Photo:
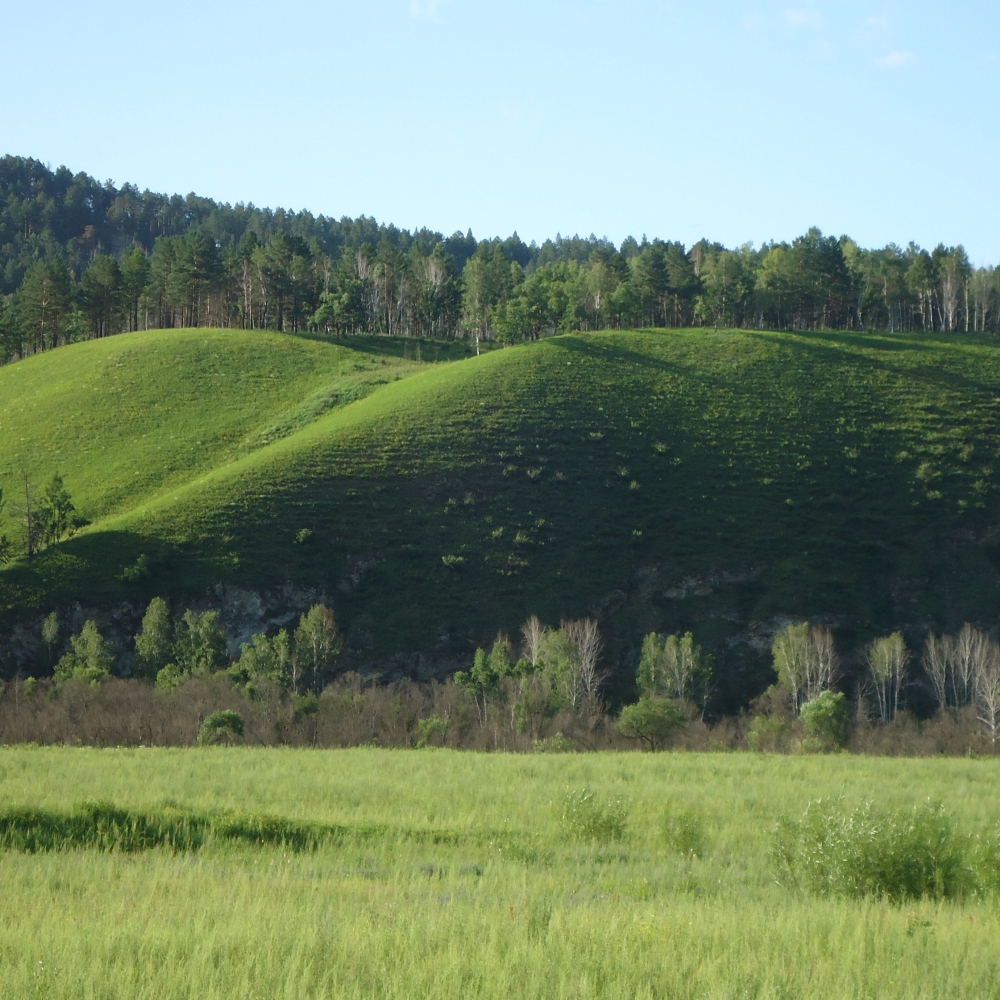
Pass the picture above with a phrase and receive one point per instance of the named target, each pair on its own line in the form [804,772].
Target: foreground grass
[505,905]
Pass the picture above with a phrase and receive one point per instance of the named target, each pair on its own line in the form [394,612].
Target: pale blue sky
[736,120]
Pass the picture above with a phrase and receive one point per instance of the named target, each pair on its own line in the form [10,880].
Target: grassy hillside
[126,417]
[458,876]
[660,479]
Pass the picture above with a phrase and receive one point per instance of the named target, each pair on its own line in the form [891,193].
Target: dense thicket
[81,259]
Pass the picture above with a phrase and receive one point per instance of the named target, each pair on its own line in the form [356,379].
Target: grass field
[455,877]
[777,474]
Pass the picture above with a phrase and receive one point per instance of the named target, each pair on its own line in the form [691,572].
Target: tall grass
[453,875]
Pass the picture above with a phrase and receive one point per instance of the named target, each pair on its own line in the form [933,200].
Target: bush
[583,817]
[652,721]
[428,728]
[221,727]
[826,720]
[769,734]
[893,855]
[684,832]
[554,744]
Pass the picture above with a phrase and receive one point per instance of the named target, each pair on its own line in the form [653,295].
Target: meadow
[459,875]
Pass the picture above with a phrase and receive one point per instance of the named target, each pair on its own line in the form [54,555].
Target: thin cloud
[426,8]
[894,60]
[803,19]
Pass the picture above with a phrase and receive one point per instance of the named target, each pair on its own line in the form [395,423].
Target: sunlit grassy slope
[455,877]
[125,417]
[846,475]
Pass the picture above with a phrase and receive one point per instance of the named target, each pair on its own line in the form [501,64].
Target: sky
[731,120]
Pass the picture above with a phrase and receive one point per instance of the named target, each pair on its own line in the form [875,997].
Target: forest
[80,259]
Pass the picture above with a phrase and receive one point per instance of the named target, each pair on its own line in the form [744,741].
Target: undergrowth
[885,853]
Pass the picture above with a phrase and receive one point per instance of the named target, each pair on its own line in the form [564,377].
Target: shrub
[221,727]
[826,719]
[169,677]
[893,855]
[585,818]
[428,728]
[554,744]
[769,734]
[653,721]
[684,832]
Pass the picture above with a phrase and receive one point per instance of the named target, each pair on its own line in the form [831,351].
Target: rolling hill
[717,481]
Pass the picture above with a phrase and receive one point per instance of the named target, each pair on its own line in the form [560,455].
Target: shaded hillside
[659,479]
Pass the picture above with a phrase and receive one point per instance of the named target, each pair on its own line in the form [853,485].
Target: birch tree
[674,667]
[987,692]
[533,632]
[887,660]
[806,661]
[937,661]
[969,650]
[587,645]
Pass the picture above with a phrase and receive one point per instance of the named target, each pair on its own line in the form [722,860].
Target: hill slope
[125,417]
[660,479]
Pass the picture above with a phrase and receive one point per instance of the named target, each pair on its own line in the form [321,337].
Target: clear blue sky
[739,121]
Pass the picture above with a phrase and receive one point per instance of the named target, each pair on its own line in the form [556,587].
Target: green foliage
[318,643]
[50,631]
[200,643]
[91,656]
[554,744]
[684,831]
[769,734]
[154,644]
[169,677]
[890,854]
[674,667]
[222,726]
[887,661]
[488,670]
[266,658]
[791,651]
[585,817]
[55,512]
[652,721]
[427,729]
[139,570]
[826,719]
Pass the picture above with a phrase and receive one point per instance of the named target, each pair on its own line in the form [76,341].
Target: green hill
[661,479]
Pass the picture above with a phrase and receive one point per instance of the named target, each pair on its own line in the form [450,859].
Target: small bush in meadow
[585,817]
[221,727]
[553,744]
[684,832]
[889,854]
[826,720]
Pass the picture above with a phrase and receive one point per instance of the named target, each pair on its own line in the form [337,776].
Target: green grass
[503,904]
[127,417]
[847,475]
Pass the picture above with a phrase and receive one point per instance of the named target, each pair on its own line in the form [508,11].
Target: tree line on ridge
[80,259]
